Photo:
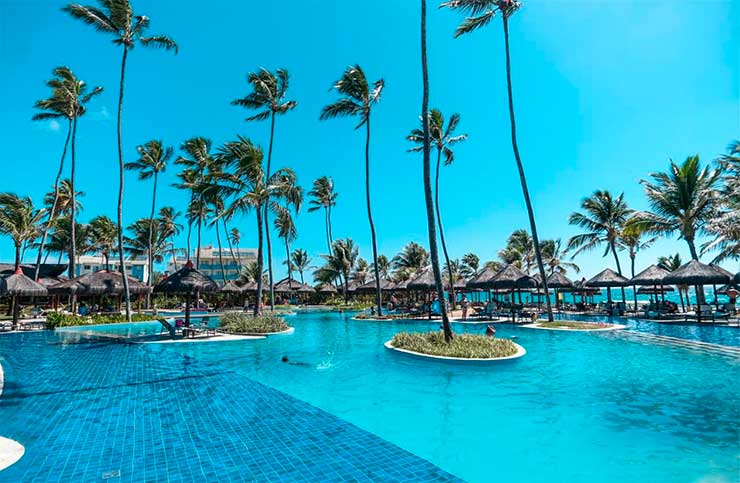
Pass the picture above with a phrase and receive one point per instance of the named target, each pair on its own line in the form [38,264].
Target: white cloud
[101,114]
[54,125]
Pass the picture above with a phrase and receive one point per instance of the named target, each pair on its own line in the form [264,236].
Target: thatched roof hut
[482,280]
[557,280]
[19,285]
[50,270]
[249,287]
[696,273]
[326,289]
[187,280]
[652,275]
[608,278]
[306,288]
[402,285]
[511,277]
[370,287]
[103,282]
[230,287]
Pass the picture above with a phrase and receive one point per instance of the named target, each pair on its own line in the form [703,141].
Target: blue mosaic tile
[97,410]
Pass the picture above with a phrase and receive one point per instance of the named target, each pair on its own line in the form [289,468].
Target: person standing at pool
[464,304]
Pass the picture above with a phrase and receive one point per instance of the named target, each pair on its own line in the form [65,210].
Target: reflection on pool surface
[578,407]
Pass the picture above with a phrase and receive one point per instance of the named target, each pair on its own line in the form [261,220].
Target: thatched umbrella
[287,286]
[652,275]
[103,282]
[19,285]
[402,285]
[511,278]
[326,289]
[698,274]
[369,287]
[230,287]
[186,281]
[608,278]
[647,290]
[422,281]
[557,281]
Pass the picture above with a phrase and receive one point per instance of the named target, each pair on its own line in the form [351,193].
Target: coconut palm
[554,256]
[672,263]
[153,158]
[60,238]
[633,240]
[725,223]
[341,262]
[117,18]
[519,250]
[170,227]
[138,243]
[443,140]
[103,237]
[63,196]
[412,258]
[480,13]
[603,218]
[235,237]
[361,271]
[300,261]
[68,101]
[268,98]
[287,231]
[19,220]
[323,197]
[384,266]
[357,97]
[469,265]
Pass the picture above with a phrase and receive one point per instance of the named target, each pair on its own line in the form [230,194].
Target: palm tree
[632,240]
[117,19]
[63,196]
[672,263]
[138,243]
[341,262]
[725,223]
[267,97]
[103,233]
[68,101]
[470,263]
[519,250]
[603,218]
[235,237]
[197,161]
[384,266]
[481,13]
[153,158]
[554,257]
[244,182]
[60,239]
[443,140]
[170,227]
[300,261]
[287,231]
[412,258]
[357,99]
[324,197]
[361,271]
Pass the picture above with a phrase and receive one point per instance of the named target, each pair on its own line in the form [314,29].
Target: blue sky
[606,92]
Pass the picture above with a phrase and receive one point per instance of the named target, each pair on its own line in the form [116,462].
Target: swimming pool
[578,407]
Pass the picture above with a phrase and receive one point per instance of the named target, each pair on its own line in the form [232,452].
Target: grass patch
[566,324]
[235,323]
[468,346]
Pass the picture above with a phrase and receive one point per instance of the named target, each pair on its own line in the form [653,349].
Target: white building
[135,267]
[210,261]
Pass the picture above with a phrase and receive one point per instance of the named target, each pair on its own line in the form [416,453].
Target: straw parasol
[306,288]
[326,289]
[189,281]
[19,285]
[647,290]
[369,287]
[697,273]
[423,281]
[249,287]
[511,277]
[230,287]
[103,282]
[557,280]
[482,280]
[402,285]
[608,278]
[287,285]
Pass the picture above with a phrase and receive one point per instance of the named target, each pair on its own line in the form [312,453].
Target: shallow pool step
[707,347]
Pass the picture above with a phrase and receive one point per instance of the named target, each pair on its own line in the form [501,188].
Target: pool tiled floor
[103,410]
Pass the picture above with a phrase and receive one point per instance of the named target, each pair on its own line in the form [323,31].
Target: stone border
[521,351]
[10,452]
[565,329]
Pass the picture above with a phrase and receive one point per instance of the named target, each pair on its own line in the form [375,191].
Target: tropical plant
[603,219]
[63,197]
[341,262]
[357,97]
[324,197]
[361,271]
[268,98]
[170,227]
[287,231]
[103,237]
[480,13]
[300,261]
[554,257]
[725,223]
[60,238]
[384,267]
[68,100]
[469,265]
[235,237]
[443,140]
[117,18]
[138,243]
[153,158]
[411,259]
[519,250]
[19,220]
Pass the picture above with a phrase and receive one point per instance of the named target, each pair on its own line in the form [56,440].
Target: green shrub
[58,319]
[468,346]
[248,324]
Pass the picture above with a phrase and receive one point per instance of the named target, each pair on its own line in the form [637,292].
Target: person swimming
[288,361]
[491,331]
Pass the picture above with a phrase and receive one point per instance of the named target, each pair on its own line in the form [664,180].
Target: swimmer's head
[285,359]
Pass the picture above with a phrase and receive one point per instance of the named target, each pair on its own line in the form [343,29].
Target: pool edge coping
[520,352]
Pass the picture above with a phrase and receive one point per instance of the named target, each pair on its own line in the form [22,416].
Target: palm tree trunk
[522,177]
[150,257]
[190,227]
[290,267]
[378,299]
[73,212]
[200,232]
[260,263]
[16,308]
[267,218]
[121,257]
[327,229]
[228,240]
[694,255]
[328,220]
[616,259]
[441,232]
[431,229]
[220,255]
[52,213]
[634,288]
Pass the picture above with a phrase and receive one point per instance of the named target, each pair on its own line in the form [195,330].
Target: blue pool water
[579,407]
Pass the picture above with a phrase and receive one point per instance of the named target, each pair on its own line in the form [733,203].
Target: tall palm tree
[633,240]
[268,98]
[138,243]
[301,261]
[63,196]
[519,250]
[672,263]
[603,218]
[117,18]
[412,258]
[287,231]
[235,237]
[554,256]
[470,263]
[68,99]
[481,12]
[196,161]
[169,225]
[153,158]
[60,239]
[384,266]
[341,262]
[361,271]
[324,197]
[103,237]
[725,224]
[443,140]
[357,97]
